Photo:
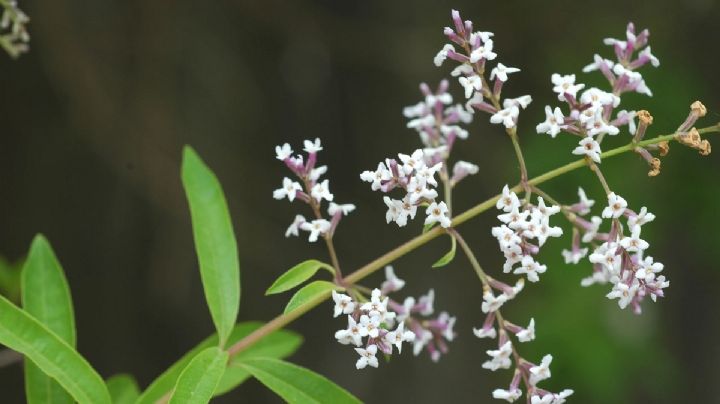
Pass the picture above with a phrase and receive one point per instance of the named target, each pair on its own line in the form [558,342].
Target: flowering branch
[409,246]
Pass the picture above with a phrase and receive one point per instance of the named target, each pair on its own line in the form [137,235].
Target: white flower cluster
[618,258]
[309,190]
[525,371]
[476,51]
[435,119]
[417,179]
[519,228]
[374,320]
[591,112]
[15,38]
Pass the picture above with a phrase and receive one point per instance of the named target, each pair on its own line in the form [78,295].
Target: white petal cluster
[520,227]
[417,178]
[309,189]
[591,112]
[618,257]
[436,120]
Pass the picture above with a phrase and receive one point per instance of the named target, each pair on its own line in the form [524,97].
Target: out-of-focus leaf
[123,389]
[23,333]
[447,258]
[197,382]
[46,296]
[297,275]
[278,344]
[10,279]
[296,384]
[214,242]
[310,294]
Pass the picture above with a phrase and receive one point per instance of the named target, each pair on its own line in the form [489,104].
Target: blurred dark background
[94,118]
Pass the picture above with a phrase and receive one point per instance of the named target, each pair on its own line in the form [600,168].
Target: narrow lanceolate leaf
[214,242]
[198,381]
[297,275]
[23,333]
[278,344]
[123,389]
[296,384]
[310,294]
[447,257]
[46,296]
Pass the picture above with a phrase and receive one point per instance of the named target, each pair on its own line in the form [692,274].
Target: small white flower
[294,228]
[471,84]
[585,203]
[483,52]
[641,218]
[371,324]
[574,256]
[501,71]
[522,102]
[345,209]
[500,357]
[485,332]
[442,55]
[392,282]
[624,293]
[283,152]
[554,120]
[528,334]
[352,334]
[647,269]
[634,242]
[437,213]
[367,357]
[590,233]
[394,211]
[289,189]
[530,268]
[606,255]
[506,116]
[317,172]
[589,147]
[616,206]
[316,227]
[463,69]
[565,84]
[343,304]
[312,147]
[507,395]
[491,302]
[647,53]
[508,201]
[321,191]
[399,336]
[464,168]
[377,177]
[415,161]
[542,371]
[546,399]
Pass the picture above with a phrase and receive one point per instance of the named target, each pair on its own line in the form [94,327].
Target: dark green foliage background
[94,119]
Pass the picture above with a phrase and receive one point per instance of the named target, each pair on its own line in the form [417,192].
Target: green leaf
[310,294]
[278,344]
[297,275]
[46,296]
[123,389]
[23,333]
[196,384]
[296,384]
[447,257]
[214,242]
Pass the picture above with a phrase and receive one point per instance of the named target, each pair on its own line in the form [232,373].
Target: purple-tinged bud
[459,27]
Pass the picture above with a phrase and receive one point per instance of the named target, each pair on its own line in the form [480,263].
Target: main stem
[364,271]
[430,235]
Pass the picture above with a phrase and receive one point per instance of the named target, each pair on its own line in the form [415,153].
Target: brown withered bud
[654,167]
[698,108]
[664,148]
[645,117]
[705,147]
